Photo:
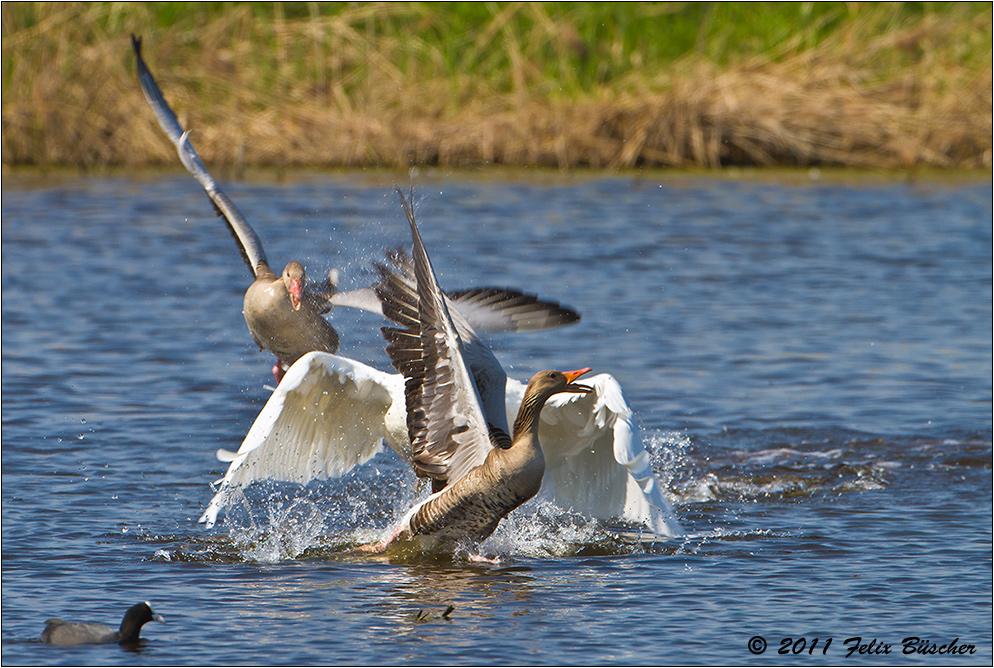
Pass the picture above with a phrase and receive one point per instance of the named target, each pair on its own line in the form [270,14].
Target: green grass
[578,46]
[442,60]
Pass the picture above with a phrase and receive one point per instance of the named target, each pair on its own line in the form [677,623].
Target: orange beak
[577,387]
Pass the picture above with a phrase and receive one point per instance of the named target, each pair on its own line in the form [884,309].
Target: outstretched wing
[487,309]
[248,241]
[448,429]
[508,310]
[331,414]
[595,463]
[328,415]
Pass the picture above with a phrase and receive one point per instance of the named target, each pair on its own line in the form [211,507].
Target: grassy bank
[467,84]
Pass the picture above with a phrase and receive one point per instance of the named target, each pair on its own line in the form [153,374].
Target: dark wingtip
[136,44]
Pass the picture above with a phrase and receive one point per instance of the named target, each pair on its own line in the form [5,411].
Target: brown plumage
[457,423]
[286,318]
[283,314]
[495,309]
[475,504]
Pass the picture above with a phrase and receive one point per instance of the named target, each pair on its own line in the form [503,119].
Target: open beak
[296,290]
[577,387]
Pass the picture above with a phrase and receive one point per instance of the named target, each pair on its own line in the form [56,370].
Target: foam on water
[276,522]
[269,522]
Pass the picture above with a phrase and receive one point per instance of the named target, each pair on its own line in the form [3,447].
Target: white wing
[328,415]
[595,463]
[331,413]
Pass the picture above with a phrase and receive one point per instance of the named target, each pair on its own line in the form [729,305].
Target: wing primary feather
[496,309]
[249,243]
[447,427]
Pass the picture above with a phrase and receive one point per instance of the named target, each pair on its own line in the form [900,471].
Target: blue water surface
[809,362]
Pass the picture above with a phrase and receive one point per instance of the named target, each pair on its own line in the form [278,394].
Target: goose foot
[480,559]
[278,372]
[379,546]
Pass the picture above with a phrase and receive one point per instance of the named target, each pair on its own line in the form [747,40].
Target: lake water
[810,363]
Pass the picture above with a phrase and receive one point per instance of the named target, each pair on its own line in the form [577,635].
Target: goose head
[294,279]
[549,382]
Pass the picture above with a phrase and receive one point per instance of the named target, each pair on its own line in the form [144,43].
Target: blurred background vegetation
[559,84]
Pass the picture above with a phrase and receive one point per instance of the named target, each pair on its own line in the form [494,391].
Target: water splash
[272,522]
[289,530]
[784,467]
[542,530]
[669,452]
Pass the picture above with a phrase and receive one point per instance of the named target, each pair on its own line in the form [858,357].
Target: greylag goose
[283,314]
[472,503]
[286,316]
[331,414]
[456,419]
[58,632]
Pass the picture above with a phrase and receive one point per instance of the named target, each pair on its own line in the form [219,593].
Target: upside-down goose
[331,414]
[283,313]
[58,632]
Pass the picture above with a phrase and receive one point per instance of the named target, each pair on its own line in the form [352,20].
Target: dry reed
[332,91]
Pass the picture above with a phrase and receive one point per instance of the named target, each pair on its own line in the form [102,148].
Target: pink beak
[296,289]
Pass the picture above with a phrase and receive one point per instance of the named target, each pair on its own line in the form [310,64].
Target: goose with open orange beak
[511,473]
[456,419]
[451,405]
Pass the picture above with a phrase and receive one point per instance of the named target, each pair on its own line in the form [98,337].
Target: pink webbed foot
[278,372]
[380,546]
[480,559]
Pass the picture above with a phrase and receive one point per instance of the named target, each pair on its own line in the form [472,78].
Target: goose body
[511,473]
[59,632]
[456,421]
[285,319]
[453,390]
[331,414]
[285,314]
